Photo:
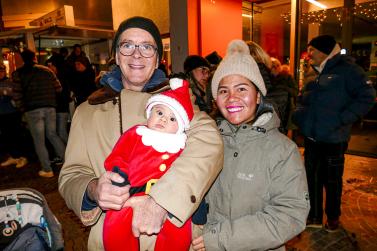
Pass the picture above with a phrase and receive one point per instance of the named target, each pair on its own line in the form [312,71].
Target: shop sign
[62,16]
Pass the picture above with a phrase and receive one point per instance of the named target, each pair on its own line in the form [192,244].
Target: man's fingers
[110,196]
[115,177]
[147,216]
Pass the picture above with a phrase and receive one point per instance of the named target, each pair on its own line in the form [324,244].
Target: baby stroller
[27,223]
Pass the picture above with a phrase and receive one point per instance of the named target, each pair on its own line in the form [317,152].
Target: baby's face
[162,119]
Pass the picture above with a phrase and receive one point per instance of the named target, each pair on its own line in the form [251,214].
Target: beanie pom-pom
[238,46]
[175,83]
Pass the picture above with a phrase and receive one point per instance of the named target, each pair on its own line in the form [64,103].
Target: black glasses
[128,49]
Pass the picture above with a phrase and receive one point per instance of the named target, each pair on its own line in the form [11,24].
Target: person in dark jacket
[197,71]
[77,52]
[37,86]
[56,63]
[339,96]
[10,125]
[82,81]
[282,93]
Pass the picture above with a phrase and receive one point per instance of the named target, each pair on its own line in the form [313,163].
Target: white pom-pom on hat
[238,61]
[237,46]
[175,83]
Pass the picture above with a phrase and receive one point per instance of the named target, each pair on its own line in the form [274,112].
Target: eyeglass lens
[145,50]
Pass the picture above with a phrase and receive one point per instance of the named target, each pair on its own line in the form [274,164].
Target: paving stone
[359,212]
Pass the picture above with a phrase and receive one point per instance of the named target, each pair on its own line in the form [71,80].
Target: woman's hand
[198,244]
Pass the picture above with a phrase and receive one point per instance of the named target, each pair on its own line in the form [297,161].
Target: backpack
[27,223]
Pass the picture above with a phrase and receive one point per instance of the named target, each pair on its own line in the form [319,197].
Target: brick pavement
[359,207]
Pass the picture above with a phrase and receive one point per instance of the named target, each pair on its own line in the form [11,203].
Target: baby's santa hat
[178,100]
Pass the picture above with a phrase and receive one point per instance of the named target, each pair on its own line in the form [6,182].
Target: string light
[364,10]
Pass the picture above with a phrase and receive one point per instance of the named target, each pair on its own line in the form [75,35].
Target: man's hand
[107,195]
[198,244]
[148,217]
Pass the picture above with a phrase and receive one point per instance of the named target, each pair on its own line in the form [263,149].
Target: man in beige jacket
[86,186]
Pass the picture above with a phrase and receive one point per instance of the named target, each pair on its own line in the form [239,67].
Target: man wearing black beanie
[141,23]
[329,105]
[90,191]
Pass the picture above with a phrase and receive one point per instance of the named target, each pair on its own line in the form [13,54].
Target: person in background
[338,97]
[285,69]
[63,52]
[63,98]
[197,71]
[111,64]
[277,92]
[10,125]
[37,86]
[82,82]
[260,199]
[263,61]
[85,184]
[163,68]
[282,93]
[77,52]
[214,60]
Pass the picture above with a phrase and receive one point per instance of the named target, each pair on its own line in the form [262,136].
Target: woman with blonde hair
[259,55]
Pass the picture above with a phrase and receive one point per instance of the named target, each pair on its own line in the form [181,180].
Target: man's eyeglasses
[128,49]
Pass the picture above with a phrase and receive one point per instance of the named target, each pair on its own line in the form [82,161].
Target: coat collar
[264,123]
[112,86]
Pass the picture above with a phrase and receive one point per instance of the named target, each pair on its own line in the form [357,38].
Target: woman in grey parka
[260,199]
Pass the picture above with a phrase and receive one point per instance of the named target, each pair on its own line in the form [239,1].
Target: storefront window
[263,24]
[352,22]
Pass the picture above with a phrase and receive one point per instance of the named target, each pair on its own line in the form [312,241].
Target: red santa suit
[145,155]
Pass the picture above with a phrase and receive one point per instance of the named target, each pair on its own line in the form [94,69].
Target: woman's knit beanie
[194,61]
[238,61]
[141,23]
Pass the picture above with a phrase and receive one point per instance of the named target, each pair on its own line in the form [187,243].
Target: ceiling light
[322,6]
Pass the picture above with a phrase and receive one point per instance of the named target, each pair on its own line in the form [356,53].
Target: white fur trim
[175,83]
[237,46]
[160,141]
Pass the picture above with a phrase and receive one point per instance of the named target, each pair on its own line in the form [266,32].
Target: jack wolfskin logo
[244,176]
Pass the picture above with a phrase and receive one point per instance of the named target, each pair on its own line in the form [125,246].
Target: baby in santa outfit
[142,155]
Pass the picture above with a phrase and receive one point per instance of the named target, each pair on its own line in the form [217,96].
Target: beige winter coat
[94,131]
